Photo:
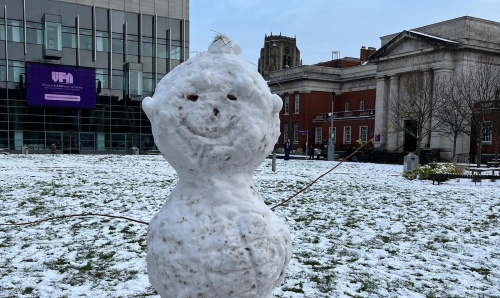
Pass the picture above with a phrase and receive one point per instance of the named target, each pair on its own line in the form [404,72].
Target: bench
[476,178]
[493,163]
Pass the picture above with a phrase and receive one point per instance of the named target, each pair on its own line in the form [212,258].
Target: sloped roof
[415,35]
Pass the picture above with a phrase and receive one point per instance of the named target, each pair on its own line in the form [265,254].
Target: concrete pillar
[381,110]
[392,133]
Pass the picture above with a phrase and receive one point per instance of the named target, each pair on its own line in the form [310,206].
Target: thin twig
[74,215]
[324,174]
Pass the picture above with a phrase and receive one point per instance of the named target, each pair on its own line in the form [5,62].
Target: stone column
[436,139]
[381,110]
[392,133]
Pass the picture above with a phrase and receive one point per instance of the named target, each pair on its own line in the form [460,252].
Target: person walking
[53,148]
[288,148]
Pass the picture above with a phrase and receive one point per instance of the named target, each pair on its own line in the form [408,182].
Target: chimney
[365,53]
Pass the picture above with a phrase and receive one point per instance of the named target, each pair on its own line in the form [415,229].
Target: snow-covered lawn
[361,231]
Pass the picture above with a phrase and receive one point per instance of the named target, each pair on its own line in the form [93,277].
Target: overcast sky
[322,26]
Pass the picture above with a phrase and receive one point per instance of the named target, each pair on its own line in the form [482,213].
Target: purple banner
[52,85]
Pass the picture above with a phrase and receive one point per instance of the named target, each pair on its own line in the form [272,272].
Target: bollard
[274,162]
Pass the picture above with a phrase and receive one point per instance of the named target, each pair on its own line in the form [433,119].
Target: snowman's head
[214,114]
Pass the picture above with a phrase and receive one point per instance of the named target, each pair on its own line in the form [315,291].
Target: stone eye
[231,97]
[192,97]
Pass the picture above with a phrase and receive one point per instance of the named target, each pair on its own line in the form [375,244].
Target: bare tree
[449,113]
[476,86]
[414,104]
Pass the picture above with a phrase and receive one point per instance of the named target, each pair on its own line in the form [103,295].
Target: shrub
[422,172]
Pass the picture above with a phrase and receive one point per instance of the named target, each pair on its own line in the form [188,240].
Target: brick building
[365,86]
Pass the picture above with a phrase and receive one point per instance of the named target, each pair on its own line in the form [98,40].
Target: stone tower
[279,52]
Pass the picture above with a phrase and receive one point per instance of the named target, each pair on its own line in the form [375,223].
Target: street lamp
[331,150]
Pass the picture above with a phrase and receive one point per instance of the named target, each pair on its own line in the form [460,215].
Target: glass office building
[74,74]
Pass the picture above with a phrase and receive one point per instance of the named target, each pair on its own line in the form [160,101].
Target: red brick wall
[314,103]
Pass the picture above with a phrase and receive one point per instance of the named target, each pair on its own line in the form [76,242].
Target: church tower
[279,52]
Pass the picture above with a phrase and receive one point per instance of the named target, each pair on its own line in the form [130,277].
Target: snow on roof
[432,36]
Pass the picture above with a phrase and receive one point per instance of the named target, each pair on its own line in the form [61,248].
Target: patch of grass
[28,290]
[483,271]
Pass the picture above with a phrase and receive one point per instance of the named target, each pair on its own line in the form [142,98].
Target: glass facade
[107,40]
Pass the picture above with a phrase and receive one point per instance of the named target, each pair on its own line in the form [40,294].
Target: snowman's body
[215,121]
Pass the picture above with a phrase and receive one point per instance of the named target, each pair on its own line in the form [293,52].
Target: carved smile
[209,132]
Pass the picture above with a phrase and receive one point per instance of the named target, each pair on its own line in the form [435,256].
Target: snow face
[215,120]
[214,114]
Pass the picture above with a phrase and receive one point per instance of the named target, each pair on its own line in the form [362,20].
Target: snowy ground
[361,231]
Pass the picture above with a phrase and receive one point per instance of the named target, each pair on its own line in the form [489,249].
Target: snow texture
[360,231]
[215,120]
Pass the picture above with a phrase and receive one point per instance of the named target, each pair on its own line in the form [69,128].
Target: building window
[297,104]
[117,43]
[148,82]
[287,104]
[176,53]
[102,41]
[347,134]
[102,75]
[133,45]
[318,135]
[162,48]
[285,132]
[363,134]
[487,132]
[16,68]
[69,37]
[147,47]
[53,36]
[34,33]
[2,30]
[295,132]
[361,105]
[86,39]
[332,135]
[15,31]
[347,106]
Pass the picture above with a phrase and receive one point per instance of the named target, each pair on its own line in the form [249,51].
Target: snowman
[215,120]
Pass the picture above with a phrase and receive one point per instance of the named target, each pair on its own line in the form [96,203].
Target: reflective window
[487,132]
[69,37]
[347,134]
[134,82]
[117,82]
[176,53]
[102,75]
[16,68]
[133,45]
[318,135]
[296,105]
[295,132]
[2,31]
[148,82]
[287,104]
[117,43]
[363,134]
[53,38]
[15,31]
[147,49]
[34,36]
[162,49]
[102,41]
[85,39]
[285,132]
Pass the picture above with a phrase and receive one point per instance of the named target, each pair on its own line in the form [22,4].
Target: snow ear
[277,103]
[147,106]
